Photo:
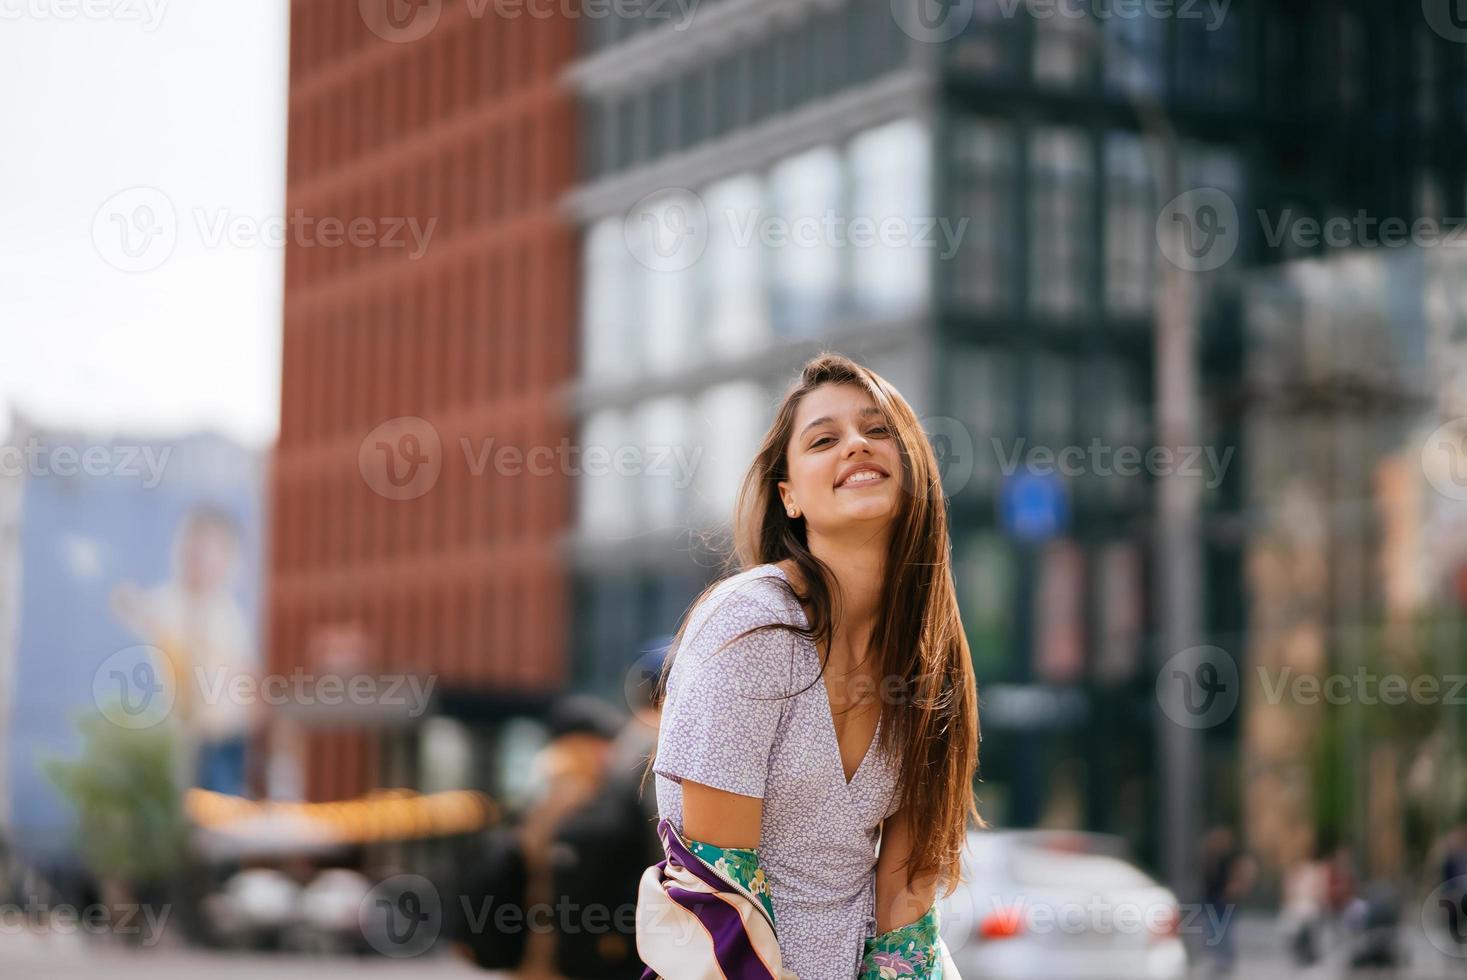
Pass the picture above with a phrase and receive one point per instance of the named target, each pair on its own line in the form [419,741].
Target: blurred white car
[1064,905]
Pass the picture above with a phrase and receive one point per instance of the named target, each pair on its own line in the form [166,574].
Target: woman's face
[844,465]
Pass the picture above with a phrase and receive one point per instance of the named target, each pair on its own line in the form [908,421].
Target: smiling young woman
[820,700]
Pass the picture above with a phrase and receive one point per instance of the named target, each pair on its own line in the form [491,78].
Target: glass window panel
[986,46]
[1064,44]
[1051,401]
[1119,605]
[609,301]
[984,575]
[982,273]
[607,506]
[663,486]
[805,262]
[1135,54]
[735,302]
[1060,222]
[1059,613]
[891,259]
[981,391]
[1130,225]
[730,420]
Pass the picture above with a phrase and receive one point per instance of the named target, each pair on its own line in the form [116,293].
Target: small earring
[793,512]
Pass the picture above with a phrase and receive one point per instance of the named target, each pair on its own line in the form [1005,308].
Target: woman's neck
[858,566]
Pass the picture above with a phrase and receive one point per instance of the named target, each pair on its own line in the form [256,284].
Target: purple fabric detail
[732,946]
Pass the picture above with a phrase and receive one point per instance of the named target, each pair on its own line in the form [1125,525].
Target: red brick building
[444,291]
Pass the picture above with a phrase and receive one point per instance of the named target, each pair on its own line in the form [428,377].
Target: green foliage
[128,804]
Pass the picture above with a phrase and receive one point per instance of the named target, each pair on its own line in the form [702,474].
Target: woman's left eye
[880,430]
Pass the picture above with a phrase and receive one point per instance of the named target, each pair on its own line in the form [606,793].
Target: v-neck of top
[840,762]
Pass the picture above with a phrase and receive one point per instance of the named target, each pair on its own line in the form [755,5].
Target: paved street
[54,957]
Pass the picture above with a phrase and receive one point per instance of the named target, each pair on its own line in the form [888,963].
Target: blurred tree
[128,804]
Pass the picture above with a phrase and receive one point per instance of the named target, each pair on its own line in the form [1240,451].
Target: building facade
[405,537]
[728,158]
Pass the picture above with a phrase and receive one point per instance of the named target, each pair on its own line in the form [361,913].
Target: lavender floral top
[727,724]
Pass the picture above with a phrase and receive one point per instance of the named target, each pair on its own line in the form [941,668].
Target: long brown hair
[917,638]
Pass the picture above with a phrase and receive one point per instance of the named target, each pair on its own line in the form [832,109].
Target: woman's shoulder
[755,596]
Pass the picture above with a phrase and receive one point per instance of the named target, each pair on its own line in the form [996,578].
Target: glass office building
[735,157]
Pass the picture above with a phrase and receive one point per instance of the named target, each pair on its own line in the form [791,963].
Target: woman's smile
[862,475]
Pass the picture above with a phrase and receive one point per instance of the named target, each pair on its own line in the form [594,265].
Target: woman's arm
[717,817]
[906,943]
[898,905]
[723,829]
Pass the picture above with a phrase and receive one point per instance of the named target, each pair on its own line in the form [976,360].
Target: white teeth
[865,476]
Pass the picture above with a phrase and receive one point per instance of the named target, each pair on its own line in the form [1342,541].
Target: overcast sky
[130,130]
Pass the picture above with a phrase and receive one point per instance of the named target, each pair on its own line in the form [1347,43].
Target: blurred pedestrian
[1227,876]
[1454,886]
[600,851]
[568,773]
[1303,908]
